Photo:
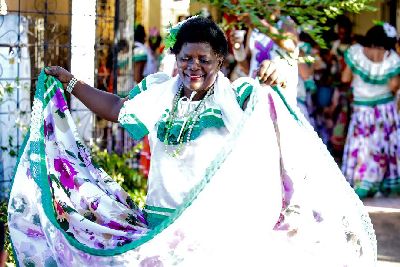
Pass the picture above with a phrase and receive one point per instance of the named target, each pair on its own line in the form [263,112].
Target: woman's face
[198,66]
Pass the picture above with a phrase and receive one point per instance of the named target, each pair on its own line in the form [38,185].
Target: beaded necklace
[188,123]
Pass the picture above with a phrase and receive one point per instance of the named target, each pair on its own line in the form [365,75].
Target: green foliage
[311,15]
[3,218]
[11,149]
[118,167]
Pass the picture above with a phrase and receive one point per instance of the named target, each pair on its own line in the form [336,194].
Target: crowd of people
[347,91]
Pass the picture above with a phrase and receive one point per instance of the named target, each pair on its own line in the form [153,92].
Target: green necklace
[174,149]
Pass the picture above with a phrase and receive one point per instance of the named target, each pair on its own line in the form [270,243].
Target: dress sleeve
[139,113]
[139,54]
[243,90]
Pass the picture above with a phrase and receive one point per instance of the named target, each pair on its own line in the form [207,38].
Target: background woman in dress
[371,160]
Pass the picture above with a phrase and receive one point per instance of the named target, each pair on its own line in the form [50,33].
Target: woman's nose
[194,64]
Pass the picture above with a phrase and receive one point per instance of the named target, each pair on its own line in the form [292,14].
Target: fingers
[268,73]
[60,73]
[53,70]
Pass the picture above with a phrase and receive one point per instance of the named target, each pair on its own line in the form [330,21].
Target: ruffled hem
[371,72]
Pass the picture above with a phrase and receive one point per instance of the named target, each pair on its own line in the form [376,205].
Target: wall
[196,7]
[170,11]
[364,20]
[151,14]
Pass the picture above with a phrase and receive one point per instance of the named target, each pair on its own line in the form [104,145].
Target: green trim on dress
[159,209]
[40,177]
[368,77]
[136,129]
[138,58]
[375,102]
[156,215]
[243,94]
[154,219]
[209,118]
[39,173]
[140,87]
[291,111]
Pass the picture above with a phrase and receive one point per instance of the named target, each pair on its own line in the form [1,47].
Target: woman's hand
[268,74]
[60,73]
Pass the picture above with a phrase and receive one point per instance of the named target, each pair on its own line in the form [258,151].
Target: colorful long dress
[371,160]
[65,211]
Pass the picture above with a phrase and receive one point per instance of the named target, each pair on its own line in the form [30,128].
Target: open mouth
[195,77]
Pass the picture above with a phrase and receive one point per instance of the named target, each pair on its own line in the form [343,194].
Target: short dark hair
[376,37]
[139,34]
[344,22]
[201,30]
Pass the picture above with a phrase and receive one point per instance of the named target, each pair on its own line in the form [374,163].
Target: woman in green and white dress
[235,178]
[371,160]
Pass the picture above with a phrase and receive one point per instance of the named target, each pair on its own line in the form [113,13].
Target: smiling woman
[204,132]
[199,55]
[198,65]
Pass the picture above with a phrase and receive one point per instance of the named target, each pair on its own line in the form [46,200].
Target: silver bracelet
[71,85]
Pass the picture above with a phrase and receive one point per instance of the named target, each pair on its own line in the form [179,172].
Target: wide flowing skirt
[371,160]
[268,210]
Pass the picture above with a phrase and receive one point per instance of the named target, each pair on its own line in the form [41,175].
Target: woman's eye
[205,61]
[184,58]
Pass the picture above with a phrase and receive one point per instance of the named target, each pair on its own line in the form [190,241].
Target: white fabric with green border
[370,79]
[246,210]
[146,112]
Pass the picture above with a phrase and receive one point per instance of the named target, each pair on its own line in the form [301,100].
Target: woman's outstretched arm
[103,104]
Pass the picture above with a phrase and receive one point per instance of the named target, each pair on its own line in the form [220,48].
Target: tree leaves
[310,15]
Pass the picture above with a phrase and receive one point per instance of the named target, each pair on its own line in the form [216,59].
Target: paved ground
[385,216]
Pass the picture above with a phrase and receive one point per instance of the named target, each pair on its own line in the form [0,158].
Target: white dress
[371,160]
[171,178]
[247,210]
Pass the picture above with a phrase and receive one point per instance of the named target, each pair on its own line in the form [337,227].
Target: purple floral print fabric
[66,211]
[371,160]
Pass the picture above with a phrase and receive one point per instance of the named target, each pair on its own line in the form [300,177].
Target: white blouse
[370,79]
[171,178]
